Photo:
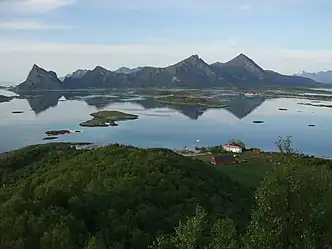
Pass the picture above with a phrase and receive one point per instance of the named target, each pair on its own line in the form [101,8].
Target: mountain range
[322,76]
[192,72]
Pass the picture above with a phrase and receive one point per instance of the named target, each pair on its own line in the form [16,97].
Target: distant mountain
[79,73]
[126,70]
[192,72]
[245,73]
[99,77]
[40,79]
[322,76]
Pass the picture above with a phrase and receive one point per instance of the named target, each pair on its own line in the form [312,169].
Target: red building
[223,160]
[255,150]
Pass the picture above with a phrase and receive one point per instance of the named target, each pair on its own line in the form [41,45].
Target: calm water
[166,126]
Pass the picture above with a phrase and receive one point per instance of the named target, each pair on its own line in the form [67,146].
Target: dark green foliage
[294,210]
[54,196]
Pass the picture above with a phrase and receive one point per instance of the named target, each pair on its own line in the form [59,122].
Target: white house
[232,148]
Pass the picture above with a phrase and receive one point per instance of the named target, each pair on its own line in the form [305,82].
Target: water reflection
[181,125]
[40,103]
[239,105]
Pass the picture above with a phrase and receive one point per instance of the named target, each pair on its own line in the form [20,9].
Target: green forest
[54,196]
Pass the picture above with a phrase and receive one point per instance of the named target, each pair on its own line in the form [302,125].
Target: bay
[166,126]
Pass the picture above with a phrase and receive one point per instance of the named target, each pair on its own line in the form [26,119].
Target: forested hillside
[56,197]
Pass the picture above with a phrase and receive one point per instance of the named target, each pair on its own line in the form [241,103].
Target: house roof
[224,158]
[232,146]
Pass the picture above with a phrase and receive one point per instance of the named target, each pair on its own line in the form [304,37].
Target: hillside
[192,72]
[121,197]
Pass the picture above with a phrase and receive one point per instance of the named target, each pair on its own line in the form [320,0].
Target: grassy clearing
[250,173]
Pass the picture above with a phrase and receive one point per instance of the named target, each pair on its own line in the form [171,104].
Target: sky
[63,35]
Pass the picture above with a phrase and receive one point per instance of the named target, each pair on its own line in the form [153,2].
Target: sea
[164,125]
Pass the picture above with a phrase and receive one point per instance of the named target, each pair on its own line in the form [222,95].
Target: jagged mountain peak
[127,70]
[37,70]
[99,68]
[192,58]
[35,67]
[321,76]
[38,79]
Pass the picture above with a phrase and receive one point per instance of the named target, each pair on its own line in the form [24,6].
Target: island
[5,98]
[57,132]
[190,100]
[107,118]
[258,122]
[283,109]
[17,112]
[316,105]
[50,138]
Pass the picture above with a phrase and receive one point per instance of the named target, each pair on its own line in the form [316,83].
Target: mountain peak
[241,57]
[99,68]
[39,79]
[36,68]
[194,57]
[243,61]
[322,76]
[127,70]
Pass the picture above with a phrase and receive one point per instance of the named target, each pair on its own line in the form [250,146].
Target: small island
[316,105]
[5,98]
[190,100]
[107,118]
[283,109]
[57,132]
[258,122]
[50,138]
[17,112]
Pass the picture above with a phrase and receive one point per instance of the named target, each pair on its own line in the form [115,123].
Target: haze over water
[166,126]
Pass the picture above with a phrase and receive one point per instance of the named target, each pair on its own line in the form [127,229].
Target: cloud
[10,7]
[17,57]
[30,25]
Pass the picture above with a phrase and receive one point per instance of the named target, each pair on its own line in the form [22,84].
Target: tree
[188,233]
[224,235]
[294,209]
[284,145]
